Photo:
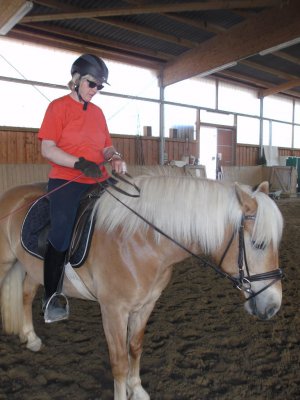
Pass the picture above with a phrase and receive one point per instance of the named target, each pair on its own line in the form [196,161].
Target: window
[33,62]
[216,118]
[238,99]
[277,134]
[297,137]
[278,107]
[128,117]
[131,80]
[267,126]
[25,105]
[297,112]
[281,134]
[180,122]
[247,130]
[194,91]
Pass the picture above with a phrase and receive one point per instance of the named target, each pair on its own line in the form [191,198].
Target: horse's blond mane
[188,209]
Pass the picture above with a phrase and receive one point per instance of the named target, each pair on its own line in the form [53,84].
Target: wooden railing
[249,154]
[21,146]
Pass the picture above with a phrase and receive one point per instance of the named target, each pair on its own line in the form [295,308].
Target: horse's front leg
[136,329]
[27,333]
[115,322]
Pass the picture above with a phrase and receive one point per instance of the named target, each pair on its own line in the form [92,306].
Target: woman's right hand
[89,168]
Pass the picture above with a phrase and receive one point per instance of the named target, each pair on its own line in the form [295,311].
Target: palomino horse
[130,262]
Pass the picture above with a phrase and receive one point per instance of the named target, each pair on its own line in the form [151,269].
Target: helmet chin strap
[85,103]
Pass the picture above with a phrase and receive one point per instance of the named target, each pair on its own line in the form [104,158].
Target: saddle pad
[34,233]
[36,222]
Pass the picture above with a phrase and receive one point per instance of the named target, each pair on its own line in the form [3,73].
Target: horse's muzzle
[265,305]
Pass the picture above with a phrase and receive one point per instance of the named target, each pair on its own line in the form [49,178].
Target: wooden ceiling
[256,42]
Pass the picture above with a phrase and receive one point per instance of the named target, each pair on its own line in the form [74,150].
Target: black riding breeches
[64,203]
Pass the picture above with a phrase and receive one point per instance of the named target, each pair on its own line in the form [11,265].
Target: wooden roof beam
[237,43]
[203,25]
[12,10]
[149,32]
[249,81]
[122,25]
[287,57]
[279,88]
[154,9]
[85,38]
[269,70]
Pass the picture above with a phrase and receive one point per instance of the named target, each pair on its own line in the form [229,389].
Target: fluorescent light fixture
[16,17]
[280,46]
[218,69]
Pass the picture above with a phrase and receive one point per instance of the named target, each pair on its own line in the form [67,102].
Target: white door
[208,150]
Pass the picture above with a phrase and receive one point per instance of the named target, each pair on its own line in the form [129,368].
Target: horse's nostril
[271,310]
[261,312]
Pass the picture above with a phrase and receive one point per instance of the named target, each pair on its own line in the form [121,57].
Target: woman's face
[86,89]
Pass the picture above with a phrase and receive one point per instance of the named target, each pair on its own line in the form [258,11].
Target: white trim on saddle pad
[77,282]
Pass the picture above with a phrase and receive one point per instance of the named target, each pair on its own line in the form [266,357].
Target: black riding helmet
[88,64]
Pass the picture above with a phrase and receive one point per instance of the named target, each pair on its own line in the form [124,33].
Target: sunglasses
[92,85]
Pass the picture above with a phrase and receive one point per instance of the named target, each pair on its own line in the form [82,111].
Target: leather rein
[241,282]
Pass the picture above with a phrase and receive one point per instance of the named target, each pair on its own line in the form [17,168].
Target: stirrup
[56,308]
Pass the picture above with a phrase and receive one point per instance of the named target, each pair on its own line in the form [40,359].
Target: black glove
[89,168]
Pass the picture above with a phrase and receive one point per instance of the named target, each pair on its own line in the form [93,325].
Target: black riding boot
[55,305]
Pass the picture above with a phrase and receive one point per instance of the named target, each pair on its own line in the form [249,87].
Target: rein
[241,282]
[121,178]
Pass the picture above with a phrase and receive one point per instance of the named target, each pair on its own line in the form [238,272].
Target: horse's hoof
[139,394]
[35,345]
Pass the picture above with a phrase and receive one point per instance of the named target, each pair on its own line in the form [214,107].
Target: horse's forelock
[268,223]
[188,209]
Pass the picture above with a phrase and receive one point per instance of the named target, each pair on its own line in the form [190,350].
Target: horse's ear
[247,203]
[263,187]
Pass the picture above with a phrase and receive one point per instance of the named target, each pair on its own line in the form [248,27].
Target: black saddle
[34,231]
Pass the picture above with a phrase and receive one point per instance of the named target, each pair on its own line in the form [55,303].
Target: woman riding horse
[75,138]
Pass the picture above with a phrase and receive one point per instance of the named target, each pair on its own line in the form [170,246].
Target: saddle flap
[83,221]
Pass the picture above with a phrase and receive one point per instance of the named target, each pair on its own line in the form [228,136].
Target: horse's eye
[259,245]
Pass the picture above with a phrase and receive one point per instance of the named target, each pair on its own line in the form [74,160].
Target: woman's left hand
[119,166]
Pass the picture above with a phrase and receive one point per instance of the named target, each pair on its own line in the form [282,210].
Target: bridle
[241,282]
